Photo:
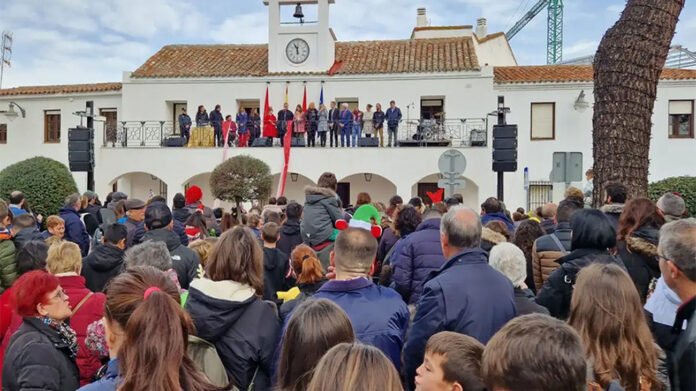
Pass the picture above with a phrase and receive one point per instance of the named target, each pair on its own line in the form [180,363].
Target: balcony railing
[455,133]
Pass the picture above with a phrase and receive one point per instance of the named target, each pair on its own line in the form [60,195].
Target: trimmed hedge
[241,178]
[684,185]
[45,183]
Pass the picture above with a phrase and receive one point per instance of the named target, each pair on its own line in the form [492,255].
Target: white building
[456,70]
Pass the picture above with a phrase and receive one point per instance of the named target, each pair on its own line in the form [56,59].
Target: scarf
[65,333]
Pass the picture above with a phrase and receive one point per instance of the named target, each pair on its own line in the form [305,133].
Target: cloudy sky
[81,41]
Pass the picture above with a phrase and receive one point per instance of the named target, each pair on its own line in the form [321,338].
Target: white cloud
[244,28]
[580,48]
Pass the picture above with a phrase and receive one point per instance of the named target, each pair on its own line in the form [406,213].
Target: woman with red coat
[269,124]
[65,262]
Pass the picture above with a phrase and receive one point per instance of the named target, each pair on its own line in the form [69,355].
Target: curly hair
[407,220]
[525,235]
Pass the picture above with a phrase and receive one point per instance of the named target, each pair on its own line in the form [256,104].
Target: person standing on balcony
[333,124]
[202,116]
[378,122]
[300,122]
[185,124]
[216,119]
[270,129]
[393,116]
[312,119]
[243,127]
[345,122]
[284,116]
[368,124]
[254,126]
[229,131]
[323,126]
[357,126]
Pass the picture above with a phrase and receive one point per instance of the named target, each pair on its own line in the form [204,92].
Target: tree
[45,183]
[627,68]
[241,178]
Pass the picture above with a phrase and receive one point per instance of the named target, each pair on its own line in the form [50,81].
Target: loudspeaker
[298,142]
[81,166]
[80,134]
[77,146]
[504,155]
[262,142]
[368,142]
[504,166]
[174,142]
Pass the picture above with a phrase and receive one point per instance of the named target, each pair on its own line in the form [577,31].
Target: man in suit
[333,124]
[345,122]
[284,116]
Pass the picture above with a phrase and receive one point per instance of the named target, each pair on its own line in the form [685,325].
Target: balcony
[454,133]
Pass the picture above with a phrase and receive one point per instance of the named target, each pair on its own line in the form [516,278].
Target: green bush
[684,185]
[45,183]
[241,178]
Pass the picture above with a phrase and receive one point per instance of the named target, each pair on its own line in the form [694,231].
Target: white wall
[379,188]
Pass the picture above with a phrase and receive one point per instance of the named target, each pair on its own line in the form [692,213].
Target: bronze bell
[298,12]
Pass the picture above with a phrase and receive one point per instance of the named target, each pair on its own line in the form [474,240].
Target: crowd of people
[312,125]
[315,295]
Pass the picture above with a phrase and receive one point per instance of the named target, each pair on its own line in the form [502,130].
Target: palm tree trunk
[627,68]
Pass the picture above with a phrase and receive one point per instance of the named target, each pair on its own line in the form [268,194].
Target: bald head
[460,229]
[355,251]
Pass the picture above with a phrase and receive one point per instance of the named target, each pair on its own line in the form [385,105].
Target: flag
[321,95]
[304,100]
[285,98]
[265,107]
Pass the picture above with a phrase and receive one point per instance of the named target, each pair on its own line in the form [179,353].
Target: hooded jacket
[8,265]
[557,291]
[546,252]
[37,359]
[490,238]
[639,253]
[466,295]
[181,215]
[418,255]
[321,212]
[75,230]
[184,260]
[613,212]
[244,329]
[290,236]
[498,216]
[27,235]
[101,265]
[275,268]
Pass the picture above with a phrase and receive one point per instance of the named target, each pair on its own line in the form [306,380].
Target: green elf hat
[363,218]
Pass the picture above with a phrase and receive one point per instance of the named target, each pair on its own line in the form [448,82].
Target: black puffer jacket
[101,265]
[558,289]
[37,359]
[243,328]
[275,268]
[290,236]
[184,260]
[639,254]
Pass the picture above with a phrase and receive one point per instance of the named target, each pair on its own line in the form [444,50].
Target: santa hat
[362,218]
[193,195]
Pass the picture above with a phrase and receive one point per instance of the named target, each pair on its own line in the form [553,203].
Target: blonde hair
[52,239]
[64,257]
[203,247]
[54,221]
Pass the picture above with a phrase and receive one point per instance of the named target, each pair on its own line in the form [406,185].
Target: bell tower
[301,45]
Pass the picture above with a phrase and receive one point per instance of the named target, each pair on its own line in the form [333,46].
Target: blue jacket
[378,119]
[499,216]
[17,211]
[379,316]
[393,116]
[346,119]
[242,122]
[216,118]
[466,296]
[109,382]
[75,230]
[415,258]
[184,121]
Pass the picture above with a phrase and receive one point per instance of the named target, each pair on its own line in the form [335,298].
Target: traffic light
[505,148]
[81,149]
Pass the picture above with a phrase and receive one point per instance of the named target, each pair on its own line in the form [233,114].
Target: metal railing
[455,133]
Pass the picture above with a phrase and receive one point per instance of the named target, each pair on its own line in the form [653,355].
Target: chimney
[481,27]
[421,20]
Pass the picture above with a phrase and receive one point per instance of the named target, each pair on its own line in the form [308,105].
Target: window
[110,124]
[3,133]
[681,119]
[52,126]
[540,194]
[352,103]
[543,125]
[432,108]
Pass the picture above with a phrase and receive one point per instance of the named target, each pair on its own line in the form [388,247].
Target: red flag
[304,100]
[265,105]
[287,143]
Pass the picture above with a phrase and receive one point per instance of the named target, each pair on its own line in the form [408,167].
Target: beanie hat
[362,218]
[193,195]
[509,260]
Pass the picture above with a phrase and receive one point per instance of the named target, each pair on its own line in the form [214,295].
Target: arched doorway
[141,185]
[378,187]
[203,181]
[294,186]
[470,191]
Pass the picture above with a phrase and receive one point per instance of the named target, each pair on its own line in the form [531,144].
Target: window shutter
[680,107]
[542,120]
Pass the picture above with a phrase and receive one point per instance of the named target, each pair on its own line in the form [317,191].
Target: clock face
[297,51]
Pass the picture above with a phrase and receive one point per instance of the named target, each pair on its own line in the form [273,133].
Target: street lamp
[368,177]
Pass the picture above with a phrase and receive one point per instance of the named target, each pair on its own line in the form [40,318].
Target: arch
[378,187]
[294,186]
[470,191]
[201,180]
[140,184]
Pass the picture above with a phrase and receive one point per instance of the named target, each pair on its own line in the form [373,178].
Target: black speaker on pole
[262,142]
[505,148]
[81,149]
[365,142]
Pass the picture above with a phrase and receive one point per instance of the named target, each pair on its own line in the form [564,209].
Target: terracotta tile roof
[568,74]
[61,89]
[362,57]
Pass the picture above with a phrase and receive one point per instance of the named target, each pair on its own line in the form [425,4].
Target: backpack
[206,357]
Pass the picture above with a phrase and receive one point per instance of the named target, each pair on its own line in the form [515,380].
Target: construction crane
[554,32]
